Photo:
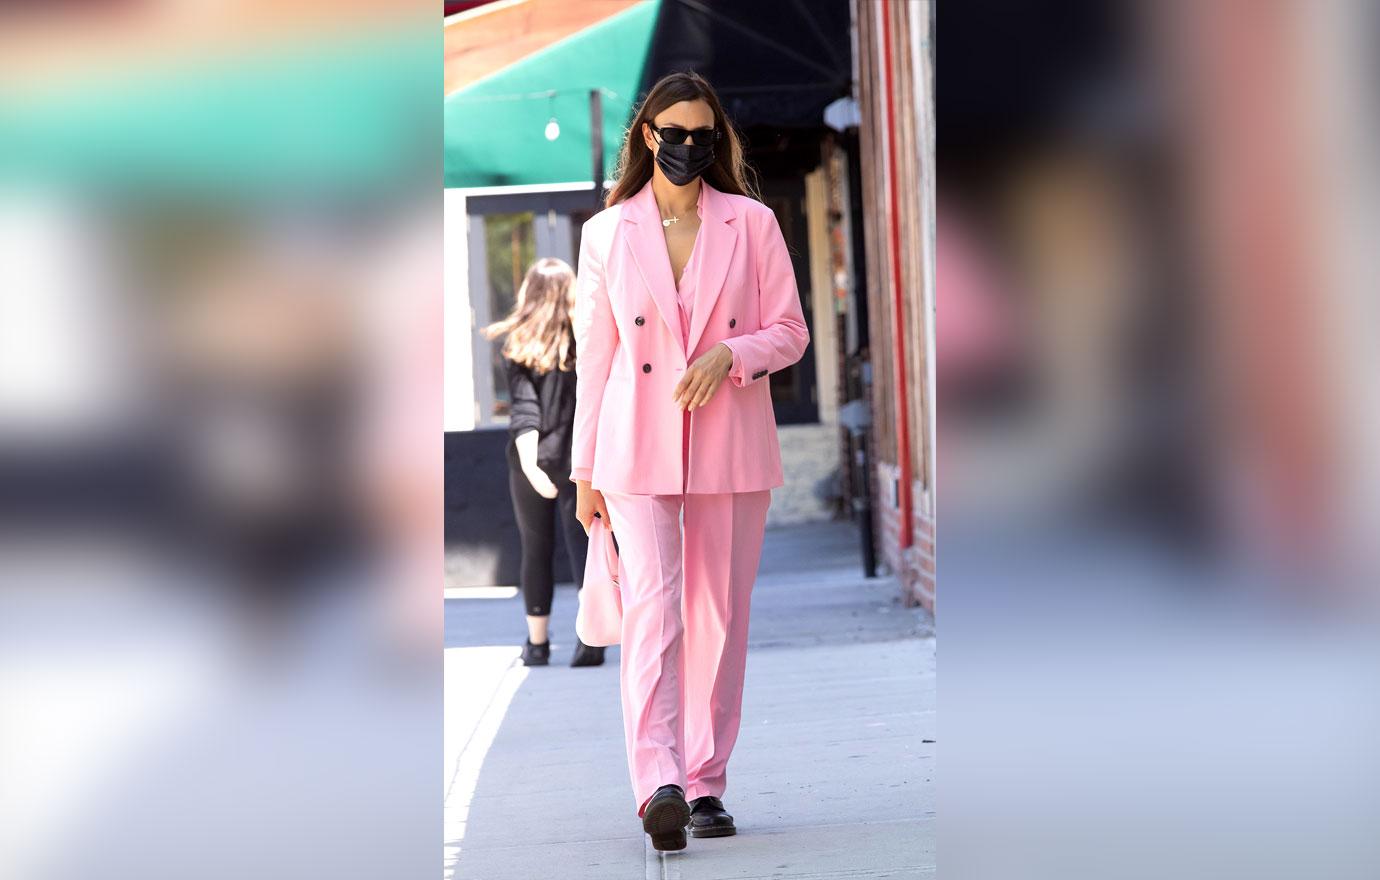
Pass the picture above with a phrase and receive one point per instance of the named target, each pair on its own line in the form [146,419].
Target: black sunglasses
[673,134]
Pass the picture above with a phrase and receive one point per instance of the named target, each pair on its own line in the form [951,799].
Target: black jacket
[544,402]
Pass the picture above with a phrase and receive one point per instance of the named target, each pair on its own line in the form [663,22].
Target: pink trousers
[686,596]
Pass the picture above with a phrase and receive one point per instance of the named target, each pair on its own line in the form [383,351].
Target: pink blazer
[629,355]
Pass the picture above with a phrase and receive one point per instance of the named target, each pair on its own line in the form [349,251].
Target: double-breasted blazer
[627,432]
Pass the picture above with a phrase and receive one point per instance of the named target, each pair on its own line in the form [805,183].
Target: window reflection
[509,249]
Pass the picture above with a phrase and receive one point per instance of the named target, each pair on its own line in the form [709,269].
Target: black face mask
[682,163]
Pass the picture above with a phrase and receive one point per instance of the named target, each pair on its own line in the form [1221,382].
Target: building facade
[894,83]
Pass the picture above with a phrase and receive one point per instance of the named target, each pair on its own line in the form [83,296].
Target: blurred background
[1158,293]
[219,465]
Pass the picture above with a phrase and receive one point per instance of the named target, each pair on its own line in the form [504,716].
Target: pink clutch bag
[599,621]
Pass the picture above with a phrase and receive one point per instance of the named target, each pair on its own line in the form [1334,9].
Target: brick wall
[915,567]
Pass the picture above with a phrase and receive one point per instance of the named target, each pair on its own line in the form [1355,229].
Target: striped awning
[519,77]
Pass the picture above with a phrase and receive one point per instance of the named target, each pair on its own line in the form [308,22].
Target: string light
[553,125]
[553,128]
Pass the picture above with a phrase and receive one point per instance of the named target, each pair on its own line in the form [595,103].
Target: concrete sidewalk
[832,776]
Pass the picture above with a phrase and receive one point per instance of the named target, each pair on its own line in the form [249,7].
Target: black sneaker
[586,655]
[709,819]
[665,818]
[536,655]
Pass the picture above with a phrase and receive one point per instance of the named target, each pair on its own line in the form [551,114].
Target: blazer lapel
[647,243]
[718,239]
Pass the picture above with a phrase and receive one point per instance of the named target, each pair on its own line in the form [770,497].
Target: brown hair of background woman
[539,331]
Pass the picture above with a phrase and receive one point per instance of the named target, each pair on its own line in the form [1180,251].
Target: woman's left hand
[703,377]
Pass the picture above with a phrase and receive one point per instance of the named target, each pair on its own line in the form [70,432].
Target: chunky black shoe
[536,655]
[586,655]
[665,818]
[708,818]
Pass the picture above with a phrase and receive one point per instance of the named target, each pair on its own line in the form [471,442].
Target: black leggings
[537,520]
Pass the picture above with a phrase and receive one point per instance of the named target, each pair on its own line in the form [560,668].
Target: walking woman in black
[539,353]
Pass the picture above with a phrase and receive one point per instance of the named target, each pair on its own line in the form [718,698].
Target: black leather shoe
[665,818]
[709,819]
[587,655]
[536,655]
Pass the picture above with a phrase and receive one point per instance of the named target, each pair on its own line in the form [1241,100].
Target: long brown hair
[539,328]
[730,172]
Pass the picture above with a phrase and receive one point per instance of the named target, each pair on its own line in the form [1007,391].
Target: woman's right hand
[589,502]
[541,482]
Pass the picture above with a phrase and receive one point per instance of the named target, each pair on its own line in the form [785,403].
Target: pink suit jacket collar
[647,242]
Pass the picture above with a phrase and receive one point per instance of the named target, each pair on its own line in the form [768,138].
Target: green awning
[346,116]
[495,129]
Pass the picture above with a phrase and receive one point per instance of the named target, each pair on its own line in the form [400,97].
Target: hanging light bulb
[553,128]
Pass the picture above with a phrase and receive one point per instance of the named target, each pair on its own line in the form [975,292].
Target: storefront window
[509,250]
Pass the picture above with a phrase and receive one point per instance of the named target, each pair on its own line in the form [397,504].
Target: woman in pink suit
[686,302]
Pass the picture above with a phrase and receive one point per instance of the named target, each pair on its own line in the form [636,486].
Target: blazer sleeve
[783,336]
[596,338]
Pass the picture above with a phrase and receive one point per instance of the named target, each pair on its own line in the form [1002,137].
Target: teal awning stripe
[342,117]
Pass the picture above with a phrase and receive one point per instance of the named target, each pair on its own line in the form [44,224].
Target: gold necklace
[667,221]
